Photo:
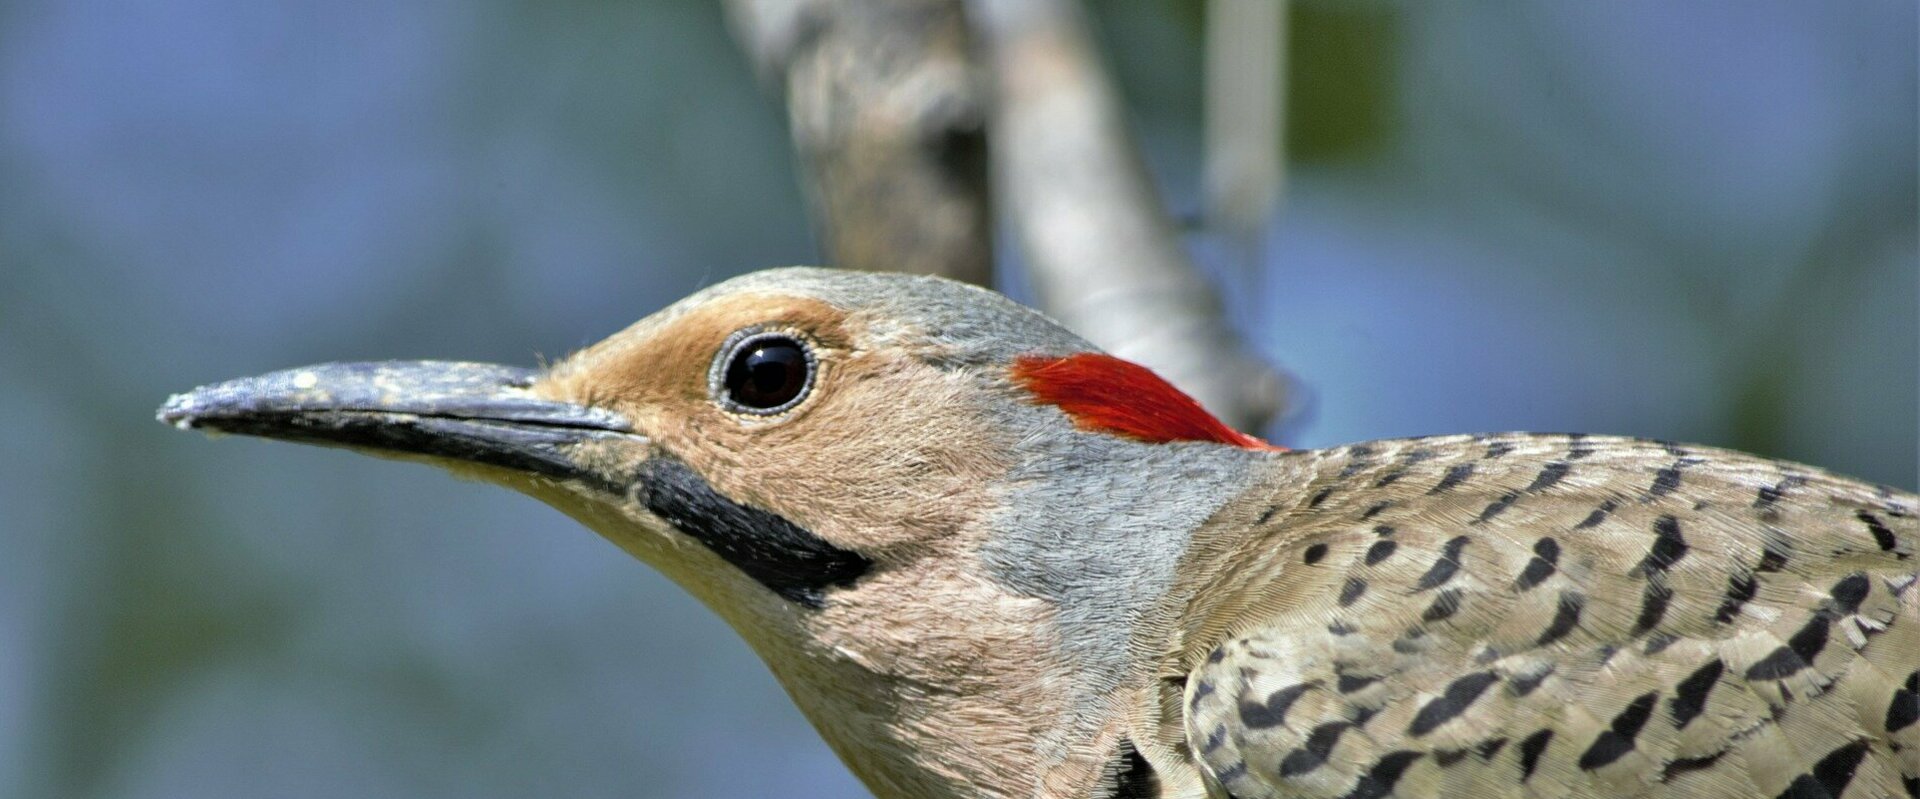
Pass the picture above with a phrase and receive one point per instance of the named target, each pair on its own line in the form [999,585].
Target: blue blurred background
[1691,221]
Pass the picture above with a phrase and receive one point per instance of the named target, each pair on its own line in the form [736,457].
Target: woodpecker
[988,560]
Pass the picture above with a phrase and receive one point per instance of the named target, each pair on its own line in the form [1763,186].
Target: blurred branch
[1246,79]
[1102,254]
[888,119]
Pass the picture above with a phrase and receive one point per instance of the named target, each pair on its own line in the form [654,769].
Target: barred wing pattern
[1570,616]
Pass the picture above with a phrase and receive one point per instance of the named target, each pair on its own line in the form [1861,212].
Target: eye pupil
[767,373]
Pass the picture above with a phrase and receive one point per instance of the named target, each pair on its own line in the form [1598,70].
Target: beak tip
[180,411]
[289,390]
[191,410]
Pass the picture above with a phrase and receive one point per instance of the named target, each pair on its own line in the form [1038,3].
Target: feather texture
[1532,616]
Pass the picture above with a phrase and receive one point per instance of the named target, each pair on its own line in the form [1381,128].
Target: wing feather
[1534,616]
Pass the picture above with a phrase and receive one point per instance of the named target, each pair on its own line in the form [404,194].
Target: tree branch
[1103,256]
[888,119]
[1246,83]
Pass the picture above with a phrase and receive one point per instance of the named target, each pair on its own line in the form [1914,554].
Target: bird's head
[868,475]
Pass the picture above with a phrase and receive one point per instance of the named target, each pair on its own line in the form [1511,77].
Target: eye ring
[761,372]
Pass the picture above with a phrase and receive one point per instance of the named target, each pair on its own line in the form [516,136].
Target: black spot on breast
[1389,478]
[1830,776]
[1444,568]
[1497,507]
[1653,606]
[1499,448]
[1578,447]
[1490,747]
[1383,530]
[1775,547]
[1690,696]
[1386,772]
[1201,691]
[1444,606]
[789,560]
[1740,588]
[1549,476]
[1445,758]
[1768,496]
[1352,591]
[1133,775]
[1598,515]
[1314,554]
[1668,546]
[1882,536]
[1454,476]
[1531,748]
[1617,740]
[1565,618]
[1904,710]
[1546,556]
[1380,551]
[1376,508]
[1266,515]
[1320,497]
[1273,712]
[1665,481]
[1348,683]
[1684,765]
[1799,652]
[1850,592]
[1214,739]
[1313,754]
[1459,695]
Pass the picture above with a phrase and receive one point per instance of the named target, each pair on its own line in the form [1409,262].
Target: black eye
[767,373]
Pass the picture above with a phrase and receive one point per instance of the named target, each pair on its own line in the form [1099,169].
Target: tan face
[879,451]
[882,454]
[840,520]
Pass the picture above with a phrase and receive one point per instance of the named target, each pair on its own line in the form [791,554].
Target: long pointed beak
[473,412]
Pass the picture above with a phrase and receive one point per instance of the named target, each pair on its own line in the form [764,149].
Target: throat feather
[1104,394]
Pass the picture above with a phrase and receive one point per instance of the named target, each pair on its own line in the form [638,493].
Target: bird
[987,559]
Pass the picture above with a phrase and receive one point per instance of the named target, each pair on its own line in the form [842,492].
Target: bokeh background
[1681,220]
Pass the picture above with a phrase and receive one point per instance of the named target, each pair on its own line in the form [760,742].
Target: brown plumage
[980,581]
[1531,615]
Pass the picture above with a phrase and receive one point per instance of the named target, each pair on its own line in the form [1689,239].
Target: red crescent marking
[1104,394]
